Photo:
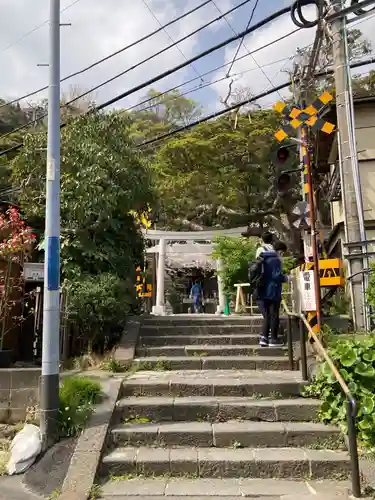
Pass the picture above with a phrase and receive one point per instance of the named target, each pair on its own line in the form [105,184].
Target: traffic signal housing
[284,158]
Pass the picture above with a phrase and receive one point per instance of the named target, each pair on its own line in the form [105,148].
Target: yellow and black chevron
[309,116]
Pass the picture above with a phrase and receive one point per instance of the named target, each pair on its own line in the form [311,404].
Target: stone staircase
[207,412]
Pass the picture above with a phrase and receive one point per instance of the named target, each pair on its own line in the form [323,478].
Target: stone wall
[19,390]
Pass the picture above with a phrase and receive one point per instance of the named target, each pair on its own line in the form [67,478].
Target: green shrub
[289,263]
[235,253]
[98,306]
[113,365]
[355,360]
[77,395]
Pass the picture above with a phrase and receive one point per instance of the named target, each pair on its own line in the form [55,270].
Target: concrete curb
[87,455]
[125,351]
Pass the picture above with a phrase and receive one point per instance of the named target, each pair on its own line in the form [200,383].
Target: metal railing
[351,403]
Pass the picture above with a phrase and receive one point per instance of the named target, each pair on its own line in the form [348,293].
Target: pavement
[12,488]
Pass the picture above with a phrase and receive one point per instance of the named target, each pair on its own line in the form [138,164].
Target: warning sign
[330,272]
[307,283]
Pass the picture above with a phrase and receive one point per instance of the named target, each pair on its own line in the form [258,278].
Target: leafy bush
[235,253]
[355,360]
[98,306]
[289,263]
[77,395]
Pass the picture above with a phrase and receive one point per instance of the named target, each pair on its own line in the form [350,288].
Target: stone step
[228,434]
[212,363]
[130,488]
[276,463]
[211,350]
[214,383]
[201,319]
[217,409]
[183,340]
[200,329]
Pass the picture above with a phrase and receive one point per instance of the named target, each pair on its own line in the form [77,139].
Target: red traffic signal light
[282,155]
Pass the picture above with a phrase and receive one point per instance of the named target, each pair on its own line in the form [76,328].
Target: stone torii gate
[167,237]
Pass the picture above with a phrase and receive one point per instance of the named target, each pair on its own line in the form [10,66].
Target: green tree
[102,179]
[160,113]
[364,85]
[223,174]
[235,254]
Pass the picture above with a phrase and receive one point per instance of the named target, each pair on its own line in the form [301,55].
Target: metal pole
[49,387]
[312,225]
[302,338]
[357,178]
[290,343]
[348,181]
[353,450]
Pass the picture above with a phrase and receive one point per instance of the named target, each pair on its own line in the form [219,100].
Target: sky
[99,27]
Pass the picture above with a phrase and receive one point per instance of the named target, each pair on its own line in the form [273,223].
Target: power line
[216,69]
[170,38]
[243,43]
[220,45]
[242,39]
[242,103]
[200,87]
[36,28]
[182,65]
[215,115]
[219,113]
[113,54]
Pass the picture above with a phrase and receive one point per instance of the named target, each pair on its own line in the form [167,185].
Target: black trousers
[271,318]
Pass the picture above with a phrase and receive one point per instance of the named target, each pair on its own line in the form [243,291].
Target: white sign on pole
[33,271]
[307,289]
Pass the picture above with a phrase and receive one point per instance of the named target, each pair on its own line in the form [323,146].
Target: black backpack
[256,274]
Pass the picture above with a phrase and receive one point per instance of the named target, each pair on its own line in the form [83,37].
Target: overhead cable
[200,87]
[220,45]
[242,39]
[234,107]
[116,53]
[222,112]
[182,65]
[217,69]
[298,17]
[36,28]
[235,59]
[168,35]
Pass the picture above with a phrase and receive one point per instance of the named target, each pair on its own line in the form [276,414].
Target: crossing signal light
[282,155]
[283,182]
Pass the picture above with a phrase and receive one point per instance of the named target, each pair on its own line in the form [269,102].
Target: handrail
[352,407]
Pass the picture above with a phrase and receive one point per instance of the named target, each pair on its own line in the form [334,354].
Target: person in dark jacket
[269,294]
[196,294]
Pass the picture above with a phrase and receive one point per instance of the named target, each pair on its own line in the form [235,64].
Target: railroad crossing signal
[309,116]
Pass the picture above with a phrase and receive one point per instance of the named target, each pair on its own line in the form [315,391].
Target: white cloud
[98,28]
[103,26]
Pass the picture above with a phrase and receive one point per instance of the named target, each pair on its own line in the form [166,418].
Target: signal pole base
[49,404]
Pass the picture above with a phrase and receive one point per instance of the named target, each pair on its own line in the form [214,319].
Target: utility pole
[311,202]
[350,182]
[49,387]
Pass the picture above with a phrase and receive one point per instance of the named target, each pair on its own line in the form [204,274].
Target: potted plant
[16,242]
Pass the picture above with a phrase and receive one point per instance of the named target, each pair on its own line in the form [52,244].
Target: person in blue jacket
[269,294]
[196,294]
